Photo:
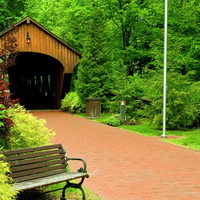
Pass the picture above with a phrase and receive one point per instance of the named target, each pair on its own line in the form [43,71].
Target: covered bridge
[42,73]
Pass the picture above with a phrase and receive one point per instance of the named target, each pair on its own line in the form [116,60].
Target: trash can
[93,108]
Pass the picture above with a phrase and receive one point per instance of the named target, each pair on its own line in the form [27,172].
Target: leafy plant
[2,115]
[72,103]
[27,130]
[7,191]
[183,100]
[132,89]
[112,121]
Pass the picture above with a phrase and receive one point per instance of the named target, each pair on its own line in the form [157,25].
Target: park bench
[41,166]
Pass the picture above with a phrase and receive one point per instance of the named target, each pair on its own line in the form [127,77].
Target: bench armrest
[82,169]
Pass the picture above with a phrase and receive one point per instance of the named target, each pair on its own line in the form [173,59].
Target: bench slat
[37,171]
[40,175]
[34,160]
[36,165]
[32,149]
[49,180]
[33,155]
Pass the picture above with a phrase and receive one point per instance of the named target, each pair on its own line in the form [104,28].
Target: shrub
[2,115]
[7,191]
[72,103]
[182,106]
[132,90]
[112,121]
[27,131]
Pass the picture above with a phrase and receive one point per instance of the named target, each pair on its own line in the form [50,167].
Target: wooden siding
[43,41]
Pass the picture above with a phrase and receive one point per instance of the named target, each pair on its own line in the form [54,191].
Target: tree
[122,38]
[183,100]
[183,31]
[95,67]
[130,19]
[10,11]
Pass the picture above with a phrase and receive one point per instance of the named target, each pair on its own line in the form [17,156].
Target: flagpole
[165,71]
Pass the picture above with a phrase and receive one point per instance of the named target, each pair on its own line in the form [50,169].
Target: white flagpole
[165,71]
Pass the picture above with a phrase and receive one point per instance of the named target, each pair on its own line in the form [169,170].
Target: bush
[112,121]
[5,123]
[7,191]
[2,115]
[183,100]
[72,103]
[132,90]
[27,130]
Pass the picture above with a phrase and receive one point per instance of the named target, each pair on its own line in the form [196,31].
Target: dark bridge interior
[36,80]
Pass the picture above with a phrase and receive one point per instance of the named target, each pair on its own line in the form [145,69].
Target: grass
[72,193]
[38,194]
[189,138]
[103,117]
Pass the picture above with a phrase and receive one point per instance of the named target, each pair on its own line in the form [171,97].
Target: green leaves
[7,191]
[27,131]
[122,38]
[72,103]
[182,102]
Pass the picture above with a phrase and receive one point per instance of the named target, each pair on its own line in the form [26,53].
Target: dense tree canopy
[122,40]
[9,11]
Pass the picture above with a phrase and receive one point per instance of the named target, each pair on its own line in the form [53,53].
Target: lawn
[189,138]
[37,194]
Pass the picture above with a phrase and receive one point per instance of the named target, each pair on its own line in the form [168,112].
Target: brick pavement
[124,165]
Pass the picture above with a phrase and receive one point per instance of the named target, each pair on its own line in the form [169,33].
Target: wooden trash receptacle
[93,108]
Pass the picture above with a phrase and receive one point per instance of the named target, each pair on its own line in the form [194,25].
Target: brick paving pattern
[124,165]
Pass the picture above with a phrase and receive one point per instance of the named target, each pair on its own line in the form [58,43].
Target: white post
[165,71]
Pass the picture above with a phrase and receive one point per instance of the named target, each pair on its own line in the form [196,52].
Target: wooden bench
[41,166]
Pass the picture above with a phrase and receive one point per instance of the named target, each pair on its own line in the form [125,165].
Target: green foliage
[95,66]
[72,103]
[9,11]
[183,100]
[113,121]
[126,40]
[7,191]
[8,53]
[2,115]
[27,131]
[132,89]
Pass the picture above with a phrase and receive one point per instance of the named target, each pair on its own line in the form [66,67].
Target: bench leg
[74,185]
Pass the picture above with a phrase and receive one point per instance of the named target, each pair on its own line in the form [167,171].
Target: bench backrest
[36,162]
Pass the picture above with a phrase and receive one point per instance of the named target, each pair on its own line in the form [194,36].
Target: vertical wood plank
[43,42]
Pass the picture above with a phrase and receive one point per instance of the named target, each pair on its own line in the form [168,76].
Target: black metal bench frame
[41,166]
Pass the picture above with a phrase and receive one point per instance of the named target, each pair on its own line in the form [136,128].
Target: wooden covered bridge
[42,73]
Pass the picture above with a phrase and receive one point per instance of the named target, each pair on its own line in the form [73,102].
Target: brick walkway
[127,166]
